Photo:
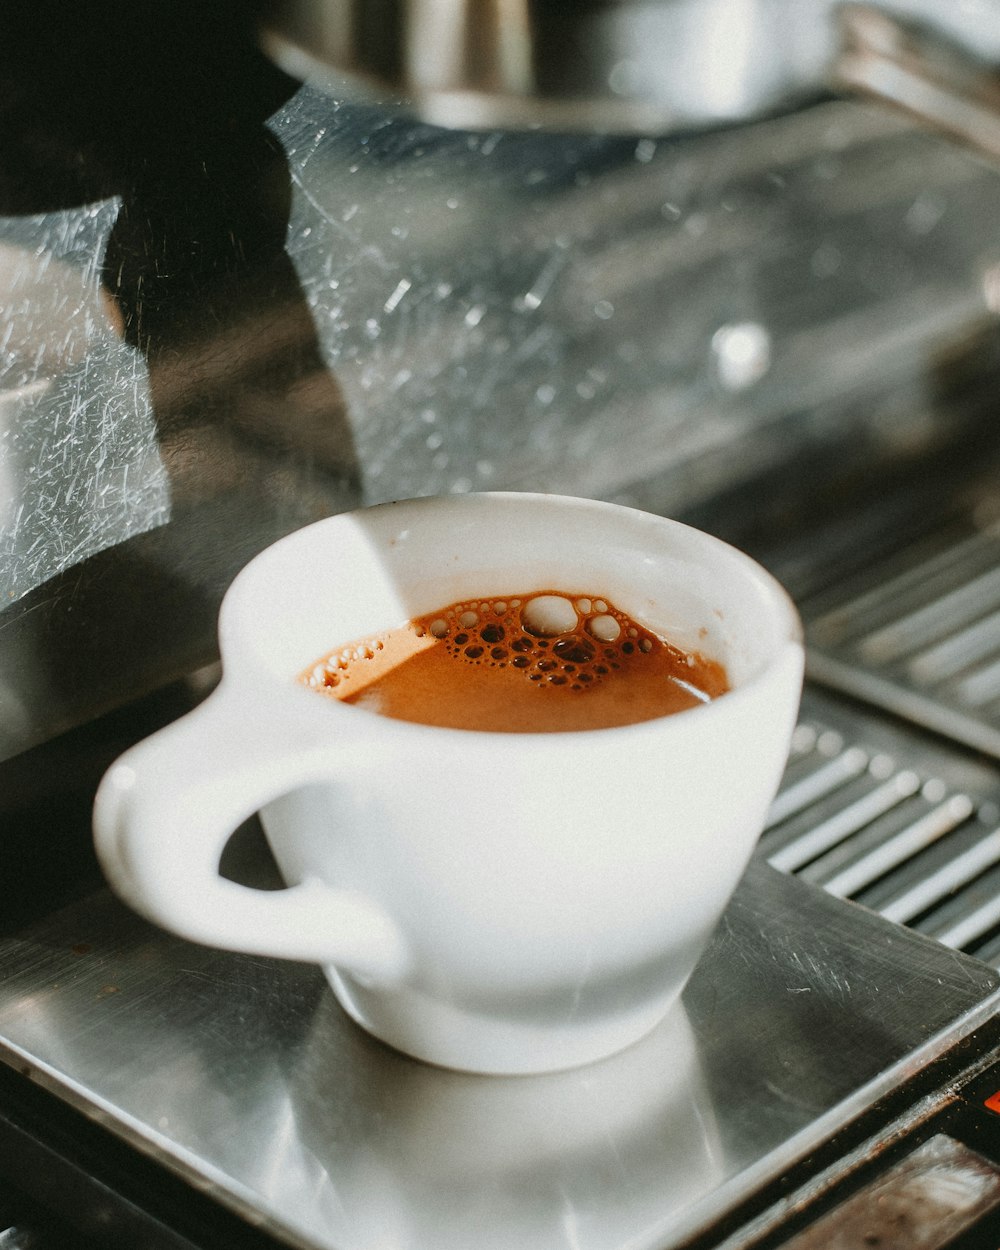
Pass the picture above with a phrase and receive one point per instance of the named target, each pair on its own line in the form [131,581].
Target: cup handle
[165,810]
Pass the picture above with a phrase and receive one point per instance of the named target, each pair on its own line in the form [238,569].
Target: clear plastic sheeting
[79,465]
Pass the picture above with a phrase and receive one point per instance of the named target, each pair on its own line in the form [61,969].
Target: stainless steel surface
[243,1076]
[606,64]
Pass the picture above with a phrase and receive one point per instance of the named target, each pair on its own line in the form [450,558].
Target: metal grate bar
[931,620]
[980,687]
[846,822]
[989,952]
[926,578]
[950,877]
[949,657]
[816,785]
[918,845]
[900,848]
[921,639]
[971,927]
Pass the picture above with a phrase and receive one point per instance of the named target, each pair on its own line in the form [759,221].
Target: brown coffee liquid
[541,662]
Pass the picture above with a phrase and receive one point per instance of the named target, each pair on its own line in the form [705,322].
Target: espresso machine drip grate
[906,827]
[918,632]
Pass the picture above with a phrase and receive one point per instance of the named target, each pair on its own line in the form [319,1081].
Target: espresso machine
[732,261]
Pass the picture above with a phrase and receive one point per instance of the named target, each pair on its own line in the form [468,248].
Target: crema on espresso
[538,662]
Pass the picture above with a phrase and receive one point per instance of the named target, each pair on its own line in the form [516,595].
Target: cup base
[448,1036]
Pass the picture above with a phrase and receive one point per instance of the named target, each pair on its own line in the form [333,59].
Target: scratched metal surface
[481,306]
[222,320]
[244,1076]
[79,466]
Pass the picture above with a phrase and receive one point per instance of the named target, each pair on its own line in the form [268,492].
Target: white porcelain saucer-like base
[448,1036]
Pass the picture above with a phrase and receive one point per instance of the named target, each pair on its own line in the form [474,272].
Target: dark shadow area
[47,851]
[95,97]
[163,104]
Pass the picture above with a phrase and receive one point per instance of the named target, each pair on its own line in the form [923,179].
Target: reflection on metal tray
[243,1076]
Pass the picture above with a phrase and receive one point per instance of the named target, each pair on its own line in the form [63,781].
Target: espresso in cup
[545,661]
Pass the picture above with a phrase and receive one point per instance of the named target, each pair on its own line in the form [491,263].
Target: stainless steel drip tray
[243,1076]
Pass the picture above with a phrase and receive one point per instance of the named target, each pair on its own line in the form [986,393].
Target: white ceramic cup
[493,902]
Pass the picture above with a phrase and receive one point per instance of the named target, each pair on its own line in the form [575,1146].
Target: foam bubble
[547,616]
[555,640]
[604,628]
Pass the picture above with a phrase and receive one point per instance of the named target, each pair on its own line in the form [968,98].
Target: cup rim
[236,638]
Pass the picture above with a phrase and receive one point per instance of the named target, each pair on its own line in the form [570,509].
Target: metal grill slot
[948,658]
[933,620]
[989,952]
[900,848]
[828,806]
[963,921]
[907,591]
[815,785]
[925,643]
[980,687]
[949,877]
[920,846]
[846,822]
[865,840]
